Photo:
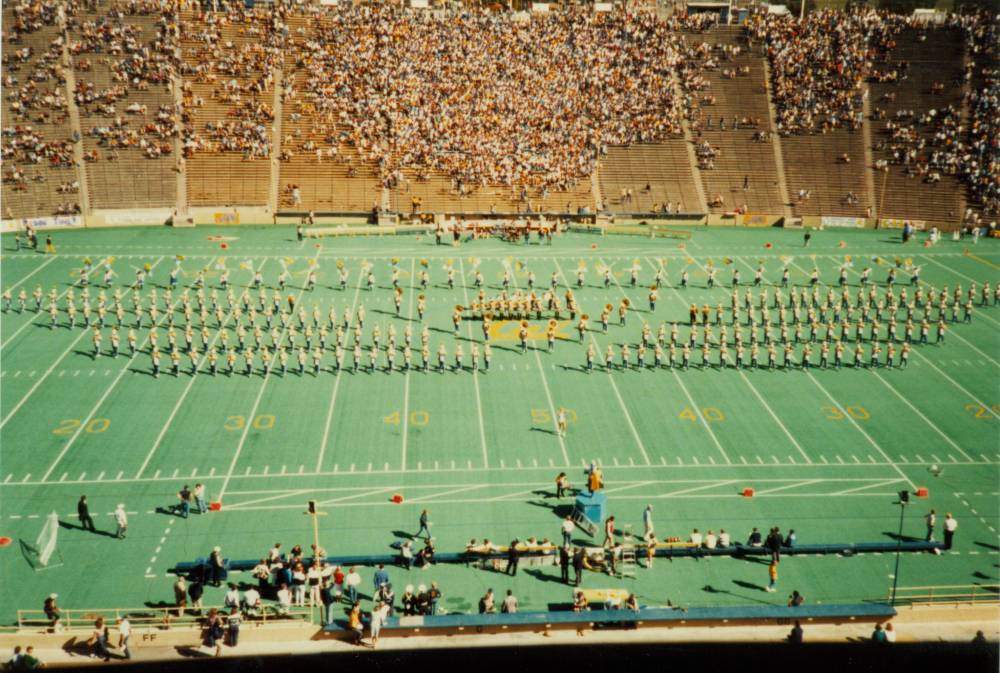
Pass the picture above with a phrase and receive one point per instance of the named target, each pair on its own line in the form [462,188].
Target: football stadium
[336,328]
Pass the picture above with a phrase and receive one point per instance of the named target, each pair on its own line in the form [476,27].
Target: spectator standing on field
[199,498]
[424,525]
[772,572]
[184,495]
[950,525]
[121,520]
[83,512]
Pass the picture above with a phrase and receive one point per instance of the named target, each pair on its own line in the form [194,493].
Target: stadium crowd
[487,99]
[530,103]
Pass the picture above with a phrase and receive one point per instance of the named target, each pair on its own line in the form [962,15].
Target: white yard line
[475,374]
[406,384]
[671,467]
[187,389]
[614,386]
[336,386]
[916,351]
[871,441]
[285,494]
[114,384]
[884,482]
[695,489]
[687,394]
[548,393]
[253,413]
[24,280]
[754,390]
[770,491]
[919,413]
[25,326]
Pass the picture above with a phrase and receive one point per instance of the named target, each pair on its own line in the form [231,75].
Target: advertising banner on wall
[57,222]
[849,222]
[226,218]
[893,223]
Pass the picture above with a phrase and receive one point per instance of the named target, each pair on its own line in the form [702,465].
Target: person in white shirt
[723,538]
[949,529]
[251,602]
[567,530]
[710,540]
[284,600]
[313,577]
[696,538]
[647,522]
[890,633]
[232,598]
[351,583]
[379,615]
[124,632]
[406,553]
[121,520]
[509,604]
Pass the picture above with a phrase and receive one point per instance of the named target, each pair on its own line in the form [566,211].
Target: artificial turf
[825,451]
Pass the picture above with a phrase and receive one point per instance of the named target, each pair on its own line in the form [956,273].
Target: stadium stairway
[222,178]
[934,56]
[151,182]
[737,98]
[39,196]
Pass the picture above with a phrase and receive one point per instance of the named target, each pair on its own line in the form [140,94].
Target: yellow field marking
[981,260]
[508,330]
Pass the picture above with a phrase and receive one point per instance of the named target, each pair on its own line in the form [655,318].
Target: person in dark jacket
[513,555]
[578,564]
[564,562]
[83,512]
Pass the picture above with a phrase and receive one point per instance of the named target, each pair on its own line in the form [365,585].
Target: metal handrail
[155,617]
[949,593]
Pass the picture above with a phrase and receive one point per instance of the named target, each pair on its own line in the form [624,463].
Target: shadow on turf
[902,538]
[987,545]
[72,526]
[560,510]
[543,577]
[708,588]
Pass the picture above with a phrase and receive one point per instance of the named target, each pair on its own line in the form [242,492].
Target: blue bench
[846,549]
[774,615]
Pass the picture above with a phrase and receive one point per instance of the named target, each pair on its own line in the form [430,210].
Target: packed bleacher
[373,107]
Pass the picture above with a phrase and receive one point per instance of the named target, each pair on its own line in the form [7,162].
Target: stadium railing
[79,620]
[774,615]
[974,594]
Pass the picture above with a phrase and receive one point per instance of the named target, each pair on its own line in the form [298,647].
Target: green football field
[825,450]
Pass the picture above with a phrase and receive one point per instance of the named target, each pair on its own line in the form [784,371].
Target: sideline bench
[763,615]
[669,550]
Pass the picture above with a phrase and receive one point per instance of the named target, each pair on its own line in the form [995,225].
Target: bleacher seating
[665,167]
[36,194]
[132,180]
[813,163]
[740,156]
[828,166]
[935,59]
[216,178]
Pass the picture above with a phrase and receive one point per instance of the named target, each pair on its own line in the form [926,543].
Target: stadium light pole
[315,514]
[904,499]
